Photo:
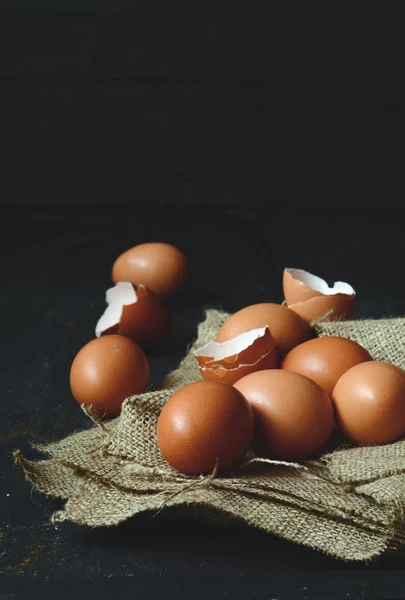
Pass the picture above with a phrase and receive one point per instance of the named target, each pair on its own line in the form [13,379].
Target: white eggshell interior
[122,294]
[219,351]
[319,285]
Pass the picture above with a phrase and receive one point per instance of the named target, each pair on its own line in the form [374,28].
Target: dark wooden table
[54,268]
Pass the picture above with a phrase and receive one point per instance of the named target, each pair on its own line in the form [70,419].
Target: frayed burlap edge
[349,504]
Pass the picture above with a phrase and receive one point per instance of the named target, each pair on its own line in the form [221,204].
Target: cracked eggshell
[313,300]
[286,327]
[227,362]
[332,308]
[136,313]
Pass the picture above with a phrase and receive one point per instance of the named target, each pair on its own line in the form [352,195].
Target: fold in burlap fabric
[349,503]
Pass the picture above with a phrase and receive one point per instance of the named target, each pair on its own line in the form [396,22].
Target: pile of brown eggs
[268,383]
[114,366]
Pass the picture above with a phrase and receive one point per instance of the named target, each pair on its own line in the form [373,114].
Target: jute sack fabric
[348,503]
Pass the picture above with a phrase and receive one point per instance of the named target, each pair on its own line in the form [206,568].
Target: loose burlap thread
[348,503]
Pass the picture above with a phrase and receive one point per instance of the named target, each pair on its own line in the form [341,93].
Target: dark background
[279,103]
[179,122]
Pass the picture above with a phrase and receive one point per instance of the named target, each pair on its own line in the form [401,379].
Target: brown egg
[313,300]
[286,327]
[369,401]
[160,267]
[229,361]
[293,415]
[325,359]
[203,424]
[106,371]
[135,313]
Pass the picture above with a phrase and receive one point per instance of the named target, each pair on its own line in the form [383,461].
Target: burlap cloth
[348,503]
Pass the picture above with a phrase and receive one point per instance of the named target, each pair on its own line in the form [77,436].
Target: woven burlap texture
[349,503]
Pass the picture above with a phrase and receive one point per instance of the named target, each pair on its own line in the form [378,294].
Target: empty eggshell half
[227,362]
[136,313]
[313,300]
